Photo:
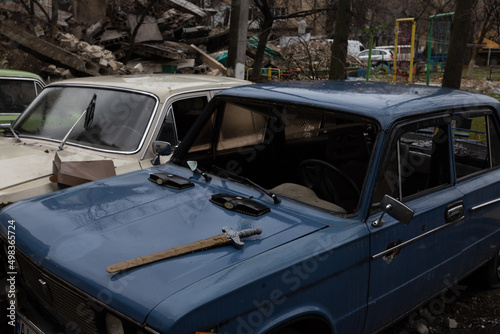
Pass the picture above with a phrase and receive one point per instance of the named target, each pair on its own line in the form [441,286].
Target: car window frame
[480,111]
[396,130]
[167,109]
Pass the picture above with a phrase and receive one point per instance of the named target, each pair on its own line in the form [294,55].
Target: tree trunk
[340,40]
[267,24]
[259,54]
[459,31]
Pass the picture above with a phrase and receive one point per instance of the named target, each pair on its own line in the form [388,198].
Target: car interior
[314,156]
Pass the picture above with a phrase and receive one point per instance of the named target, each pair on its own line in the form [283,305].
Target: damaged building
[87,38]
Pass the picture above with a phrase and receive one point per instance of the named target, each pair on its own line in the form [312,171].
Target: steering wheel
[317,175]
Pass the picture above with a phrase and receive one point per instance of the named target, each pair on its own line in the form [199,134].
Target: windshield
[119,118]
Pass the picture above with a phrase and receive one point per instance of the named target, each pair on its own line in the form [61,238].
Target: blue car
[299,207]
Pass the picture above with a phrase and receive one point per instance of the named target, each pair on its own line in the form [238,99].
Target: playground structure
[275,73]
[437,44]
[408,61]
[404,49]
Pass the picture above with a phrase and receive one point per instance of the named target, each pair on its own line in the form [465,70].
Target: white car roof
[162,85]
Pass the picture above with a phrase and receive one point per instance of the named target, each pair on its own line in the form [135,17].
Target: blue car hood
[78,232]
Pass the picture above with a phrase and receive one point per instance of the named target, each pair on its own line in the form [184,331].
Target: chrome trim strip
[477,207]
[156,129]
[392,249]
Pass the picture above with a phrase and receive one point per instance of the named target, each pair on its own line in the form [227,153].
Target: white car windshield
[116,121]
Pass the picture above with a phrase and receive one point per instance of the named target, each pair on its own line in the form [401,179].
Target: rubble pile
[172,37]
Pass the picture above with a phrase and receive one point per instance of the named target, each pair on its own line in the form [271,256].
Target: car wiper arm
[14,133]
[247,181]
[88,120]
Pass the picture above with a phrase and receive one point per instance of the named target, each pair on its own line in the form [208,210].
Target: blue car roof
[382,101]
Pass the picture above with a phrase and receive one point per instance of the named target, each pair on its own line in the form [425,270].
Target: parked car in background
[379,57]
[80,130]
[336,207]
[353,46]
[404,52]
[17,90]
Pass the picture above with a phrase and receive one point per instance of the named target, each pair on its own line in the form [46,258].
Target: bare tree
[484,17]
[142,17]
[267,19]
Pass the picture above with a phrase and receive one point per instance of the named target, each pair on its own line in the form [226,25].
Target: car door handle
[454,212]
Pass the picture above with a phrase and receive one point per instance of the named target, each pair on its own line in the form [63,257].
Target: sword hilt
[234,236]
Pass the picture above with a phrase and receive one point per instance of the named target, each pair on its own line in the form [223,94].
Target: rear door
[477,158]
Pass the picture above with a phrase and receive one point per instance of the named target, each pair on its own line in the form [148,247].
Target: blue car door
[410,263]
[477,159]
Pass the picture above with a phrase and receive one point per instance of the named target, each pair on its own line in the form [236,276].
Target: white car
[379,57]
[81,130]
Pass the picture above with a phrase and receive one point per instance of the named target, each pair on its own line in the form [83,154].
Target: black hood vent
[239,204]
[170,181]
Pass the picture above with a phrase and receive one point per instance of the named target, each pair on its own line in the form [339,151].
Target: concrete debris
[113,37]
[148,31]
[209,60]
[175,20]
[452,323]
[39,31]
[139,68]
[50,51]
[94,29]
[185,5]
[175,35]
[422,329]
[52,72]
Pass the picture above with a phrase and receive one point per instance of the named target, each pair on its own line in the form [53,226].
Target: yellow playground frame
[412,52]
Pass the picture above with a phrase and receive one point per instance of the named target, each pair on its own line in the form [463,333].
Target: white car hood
[26,166]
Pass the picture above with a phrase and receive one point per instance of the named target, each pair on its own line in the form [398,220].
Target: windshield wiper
[14,133]
[247,181]
[89,117]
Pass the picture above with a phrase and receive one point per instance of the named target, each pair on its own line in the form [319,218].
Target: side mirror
[160,148]
[395,209]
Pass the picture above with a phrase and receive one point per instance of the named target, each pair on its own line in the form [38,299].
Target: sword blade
[214,241]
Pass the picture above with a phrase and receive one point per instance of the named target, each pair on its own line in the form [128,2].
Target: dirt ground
[475,311]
